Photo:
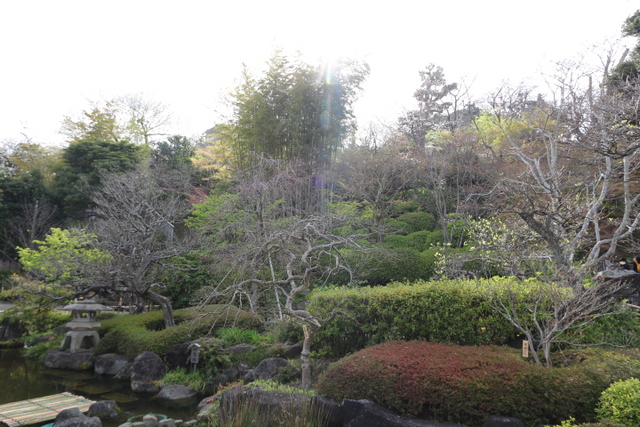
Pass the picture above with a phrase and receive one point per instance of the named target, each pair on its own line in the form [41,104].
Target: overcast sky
[58,55]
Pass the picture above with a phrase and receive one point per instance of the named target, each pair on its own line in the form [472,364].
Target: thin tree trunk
[165,305]
[305,360]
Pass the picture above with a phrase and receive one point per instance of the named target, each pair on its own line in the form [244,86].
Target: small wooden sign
[305,329]
[195,354]
[525,348]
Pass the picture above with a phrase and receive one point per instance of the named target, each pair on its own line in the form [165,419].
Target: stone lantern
[82,336]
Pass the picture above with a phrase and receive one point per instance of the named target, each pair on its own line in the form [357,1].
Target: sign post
[195,354]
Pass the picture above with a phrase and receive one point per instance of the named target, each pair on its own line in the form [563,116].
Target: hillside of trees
[283,197]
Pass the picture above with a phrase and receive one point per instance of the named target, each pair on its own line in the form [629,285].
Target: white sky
[58,55]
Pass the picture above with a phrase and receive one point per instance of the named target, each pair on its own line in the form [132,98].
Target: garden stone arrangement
[395,383]
[148,369]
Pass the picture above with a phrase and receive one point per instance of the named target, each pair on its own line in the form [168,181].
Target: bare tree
[571,162]
[270,252]
[135,222]
[376,175]
[38,216]
[144,119]
[551,311]
[288,261]
[569,170]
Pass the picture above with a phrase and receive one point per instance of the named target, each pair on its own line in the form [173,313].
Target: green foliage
[98,123]
[6,281]
[419,221]
[416,240]
[395,264]
[181,285]
[175,152]
[84,163]
[621,402]
[39,350]
[59,256]
[571,423]
[180,376]
[293,111]
[287,331]
[445,311]
[233,336]
[623,329]
[213,356]
[270,385]
[32,309]
[27,209]
[132,335]
[466,385]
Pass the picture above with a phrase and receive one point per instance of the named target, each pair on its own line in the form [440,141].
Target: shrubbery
[467,385]
[132,335]
[445,311]
[418,221]
[620,402]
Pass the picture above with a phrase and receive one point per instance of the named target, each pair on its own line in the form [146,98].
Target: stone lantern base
[76,341]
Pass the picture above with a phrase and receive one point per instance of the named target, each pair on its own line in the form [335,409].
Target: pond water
[21,378]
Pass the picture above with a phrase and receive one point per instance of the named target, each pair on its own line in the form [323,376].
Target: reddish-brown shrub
[463,384]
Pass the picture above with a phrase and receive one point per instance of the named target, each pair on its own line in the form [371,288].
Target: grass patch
[180,376]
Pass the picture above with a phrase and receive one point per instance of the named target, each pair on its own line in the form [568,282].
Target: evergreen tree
[83,164]
[294,112]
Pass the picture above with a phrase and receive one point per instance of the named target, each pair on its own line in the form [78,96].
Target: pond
[21,378]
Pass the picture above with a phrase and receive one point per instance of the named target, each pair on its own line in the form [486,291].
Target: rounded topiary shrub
[463,384]
[620,403]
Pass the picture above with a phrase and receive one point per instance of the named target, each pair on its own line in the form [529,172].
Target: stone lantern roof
[86,306]
[84,314]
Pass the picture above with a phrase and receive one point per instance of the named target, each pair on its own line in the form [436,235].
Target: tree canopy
[293,111]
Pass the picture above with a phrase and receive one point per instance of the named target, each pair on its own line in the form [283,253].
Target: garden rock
[293,351]
[74,418]
[179,356]
[267,369]
[178,395]
[243,369]
[364,413]
[56,359]
[125,372]
[148,370]
[150,420]
[109,364]
[104,409]
[331,409]
[206,403]
[10,330]
[266,401]
[232,374]
[240,349]
[228,375]
[498,421]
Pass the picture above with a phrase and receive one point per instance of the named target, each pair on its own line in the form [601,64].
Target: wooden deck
[46,408]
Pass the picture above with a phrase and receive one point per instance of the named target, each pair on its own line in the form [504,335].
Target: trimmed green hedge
[133,334]
[467,385]
[445,311]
